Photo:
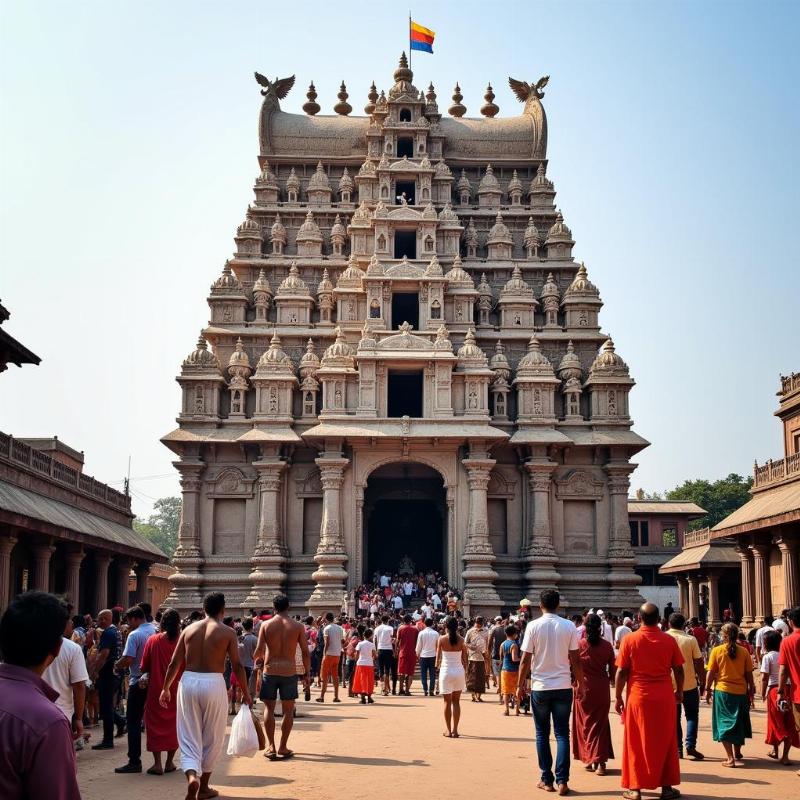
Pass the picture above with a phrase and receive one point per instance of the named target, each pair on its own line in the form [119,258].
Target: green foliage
[719,498]
[162,526]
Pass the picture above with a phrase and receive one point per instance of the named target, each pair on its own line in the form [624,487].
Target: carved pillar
[72,579]
[694,596]
[142,574]
[122,579]
[683,594]
[748,606]
[41,566]
[267,576]
[6,546]
[331,576]
[101,562]
[540,552]
[714,618]
[479,577]
[621,578]
[761,590]
[791,577]
[186,592]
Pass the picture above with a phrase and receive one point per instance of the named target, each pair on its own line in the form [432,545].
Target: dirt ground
[395,748]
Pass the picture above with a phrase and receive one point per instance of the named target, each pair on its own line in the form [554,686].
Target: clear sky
[128,143]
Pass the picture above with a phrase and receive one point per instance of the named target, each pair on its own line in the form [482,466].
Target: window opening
[405,244]
[404,394]
[405,308]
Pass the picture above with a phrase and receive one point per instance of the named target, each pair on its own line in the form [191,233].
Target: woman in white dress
[451,661]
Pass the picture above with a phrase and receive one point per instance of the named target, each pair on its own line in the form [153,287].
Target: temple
[404,363]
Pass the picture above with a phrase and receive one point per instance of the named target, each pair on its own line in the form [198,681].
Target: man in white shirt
[384,644]
[760,633]
[549,649]
[408,591]
[397,603]
[331,656]
[68,676]
[622,632]
[781,624]
[606,631]
[427,610]
[385,580]
[437,601]
[426,652]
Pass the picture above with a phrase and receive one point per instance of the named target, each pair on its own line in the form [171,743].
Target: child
[364,680]
[780,724]
[509,669]
[352,656]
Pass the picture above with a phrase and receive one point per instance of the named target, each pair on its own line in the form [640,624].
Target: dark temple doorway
[405,308]
[404,519]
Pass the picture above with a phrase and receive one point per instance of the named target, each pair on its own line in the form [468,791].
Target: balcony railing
[698,537]
[776,471]
[43,464]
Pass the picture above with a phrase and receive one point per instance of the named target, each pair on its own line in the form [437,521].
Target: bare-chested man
[279,639]
[202,698]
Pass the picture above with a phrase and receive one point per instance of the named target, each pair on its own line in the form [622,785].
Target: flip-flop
[630,795]
[271,755]
[286,756]
[167,770]
[728,764]
[447,735]
[547,787]
[772,755]
[670,795]
[154,771]
[320,699]
[336,700]
[454,736]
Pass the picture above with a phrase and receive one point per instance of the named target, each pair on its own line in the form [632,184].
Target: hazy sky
[128,153]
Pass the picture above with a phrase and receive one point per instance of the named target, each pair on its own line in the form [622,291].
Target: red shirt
[701,634]
[789,657]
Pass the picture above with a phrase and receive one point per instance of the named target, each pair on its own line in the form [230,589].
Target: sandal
[670,795]
[632,794]
[548,787]
[728,762]
[155,771]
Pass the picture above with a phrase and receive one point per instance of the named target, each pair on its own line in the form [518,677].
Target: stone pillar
[683,595]
[267,576]
[101,562]
[330,578]
[122,576]
[714,618]
[621,578]
[748,606]
[72,583]
[6,546]
[694,596]
[761,581]
[791,576]
[41,566]
[540,552]
[142,570]
[479,577]
[186,592]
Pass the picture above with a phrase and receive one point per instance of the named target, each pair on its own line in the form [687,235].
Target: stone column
[267,576]
[791,576]
[101,562]
[186,592]
[41,566]
[694,596]
[621,578]
[479,577]
[142,570]
[761,581]
[746,559]
[714,618]
[6,546]
[683,595]
[72,583]
[330,578]
[539,551]
[122,567]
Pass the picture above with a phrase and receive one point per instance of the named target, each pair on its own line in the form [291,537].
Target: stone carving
[524,91]
[579,483]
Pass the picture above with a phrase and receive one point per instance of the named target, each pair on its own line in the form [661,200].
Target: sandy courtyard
[395,748]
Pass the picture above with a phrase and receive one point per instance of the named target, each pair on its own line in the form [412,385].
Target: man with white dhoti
[202,697]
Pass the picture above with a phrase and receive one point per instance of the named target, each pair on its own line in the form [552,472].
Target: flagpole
[409,38]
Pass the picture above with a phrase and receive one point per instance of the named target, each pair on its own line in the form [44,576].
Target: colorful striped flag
[421,38]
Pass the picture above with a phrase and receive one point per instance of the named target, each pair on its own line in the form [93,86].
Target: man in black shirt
[102,673]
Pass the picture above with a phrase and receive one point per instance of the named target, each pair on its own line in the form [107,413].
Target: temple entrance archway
[405,518]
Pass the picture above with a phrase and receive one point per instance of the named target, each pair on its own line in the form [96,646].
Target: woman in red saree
[591,729]
[159,722]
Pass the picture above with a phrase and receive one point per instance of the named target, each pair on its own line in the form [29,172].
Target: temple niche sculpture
[404,364]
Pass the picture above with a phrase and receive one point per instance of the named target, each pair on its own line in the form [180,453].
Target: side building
[404,364]
[766,528]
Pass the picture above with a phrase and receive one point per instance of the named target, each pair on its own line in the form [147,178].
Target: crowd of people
[66,680]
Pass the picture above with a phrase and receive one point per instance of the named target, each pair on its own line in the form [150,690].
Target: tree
[162,526]
[719,498]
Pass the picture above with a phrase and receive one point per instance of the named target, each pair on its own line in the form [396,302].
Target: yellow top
[730,671]
[690,650]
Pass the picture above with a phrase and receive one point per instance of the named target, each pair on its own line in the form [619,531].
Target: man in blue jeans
[693,677]
[549,649]
[426,652]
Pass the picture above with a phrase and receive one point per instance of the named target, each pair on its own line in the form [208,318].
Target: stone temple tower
[404,365]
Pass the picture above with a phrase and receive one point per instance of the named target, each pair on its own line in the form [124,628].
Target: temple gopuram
[404,365]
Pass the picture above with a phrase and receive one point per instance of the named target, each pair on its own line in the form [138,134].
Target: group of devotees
[560,669]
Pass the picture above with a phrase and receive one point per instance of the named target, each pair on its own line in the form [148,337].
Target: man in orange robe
[647,660]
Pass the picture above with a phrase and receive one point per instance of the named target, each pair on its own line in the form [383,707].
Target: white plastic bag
[243,740]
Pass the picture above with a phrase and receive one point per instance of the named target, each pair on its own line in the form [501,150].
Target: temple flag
[421,38]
